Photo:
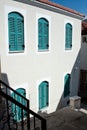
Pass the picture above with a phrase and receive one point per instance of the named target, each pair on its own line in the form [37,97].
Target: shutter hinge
[23,46]
[9,46]
[47,46]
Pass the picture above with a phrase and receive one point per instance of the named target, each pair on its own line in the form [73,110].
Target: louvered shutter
[68,43]
[40,34]
[16,31]
[47,94]
[43,36]
[20,33]
[40,97]
[46,35]
[66,85]
[43,95]
[12,32]
[16,110]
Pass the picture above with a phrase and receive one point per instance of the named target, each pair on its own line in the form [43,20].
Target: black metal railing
[28,120]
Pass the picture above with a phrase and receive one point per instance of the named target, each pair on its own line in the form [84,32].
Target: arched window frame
[43,94]
[68,36]
[16,109]
[16,31]
[43,34]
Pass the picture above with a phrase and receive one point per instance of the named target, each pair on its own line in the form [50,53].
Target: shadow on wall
[73,88]
[4,78]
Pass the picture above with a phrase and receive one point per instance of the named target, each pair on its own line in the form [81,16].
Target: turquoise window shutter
[20,33]
[40,34]
[12,32]
[40,97]
[43,95]
[46,34]
[66,85]
[43,34]
[16,110]
[16,31]
[68,43]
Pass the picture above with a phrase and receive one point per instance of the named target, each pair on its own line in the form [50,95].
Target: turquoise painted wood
[66,85]
[16,31]
[43,34]
[17,110]
[43,94]
[68,35]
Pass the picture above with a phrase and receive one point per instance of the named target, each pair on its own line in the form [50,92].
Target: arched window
[16,109]
[68,36]
[66,85]
[43,34]
[43,94]
[16,31]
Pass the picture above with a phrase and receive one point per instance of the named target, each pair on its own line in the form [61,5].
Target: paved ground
[67,119]
[63,119]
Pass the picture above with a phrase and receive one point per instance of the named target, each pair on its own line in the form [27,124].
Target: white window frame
[65,22]
[38,82]
[48,18]
[9,9]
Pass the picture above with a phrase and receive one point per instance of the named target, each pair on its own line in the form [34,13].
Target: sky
[78,5]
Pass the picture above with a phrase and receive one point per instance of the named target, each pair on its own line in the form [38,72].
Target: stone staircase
[7,115]
[3,117]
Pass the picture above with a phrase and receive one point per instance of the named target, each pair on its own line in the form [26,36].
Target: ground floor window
[16,110]
[66,85]
[43,94]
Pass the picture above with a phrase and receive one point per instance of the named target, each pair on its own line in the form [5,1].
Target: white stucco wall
[30,68]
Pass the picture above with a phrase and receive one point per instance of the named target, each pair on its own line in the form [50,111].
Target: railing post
[28,116]
[23,108]
[43,124]
[0,83]
[0,95]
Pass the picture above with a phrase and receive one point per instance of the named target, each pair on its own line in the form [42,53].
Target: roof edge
[61,7]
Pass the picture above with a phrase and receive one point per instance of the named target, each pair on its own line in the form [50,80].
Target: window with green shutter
[43,94]
[43,34]
[66,85]
[68,36]
[16,31]
[16,109]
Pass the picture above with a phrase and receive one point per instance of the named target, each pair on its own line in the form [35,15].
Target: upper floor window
[68,36]
[43,34]
[16,31]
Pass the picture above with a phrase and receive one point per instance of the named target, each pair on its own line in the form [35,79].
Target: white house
[39,48]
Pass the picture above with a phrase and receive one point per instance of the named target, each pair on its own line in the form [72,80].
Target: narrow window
[16,31]
[68,36]
[66,85]
[43,34]
[43,94]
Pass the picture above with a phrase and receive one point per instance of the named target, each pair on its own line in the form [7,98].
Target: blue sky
[78,5]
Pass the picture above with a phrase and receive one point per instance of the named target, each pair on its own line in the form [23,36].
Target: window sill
[43,50]
[43,109]
[68,49]
[11,52]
